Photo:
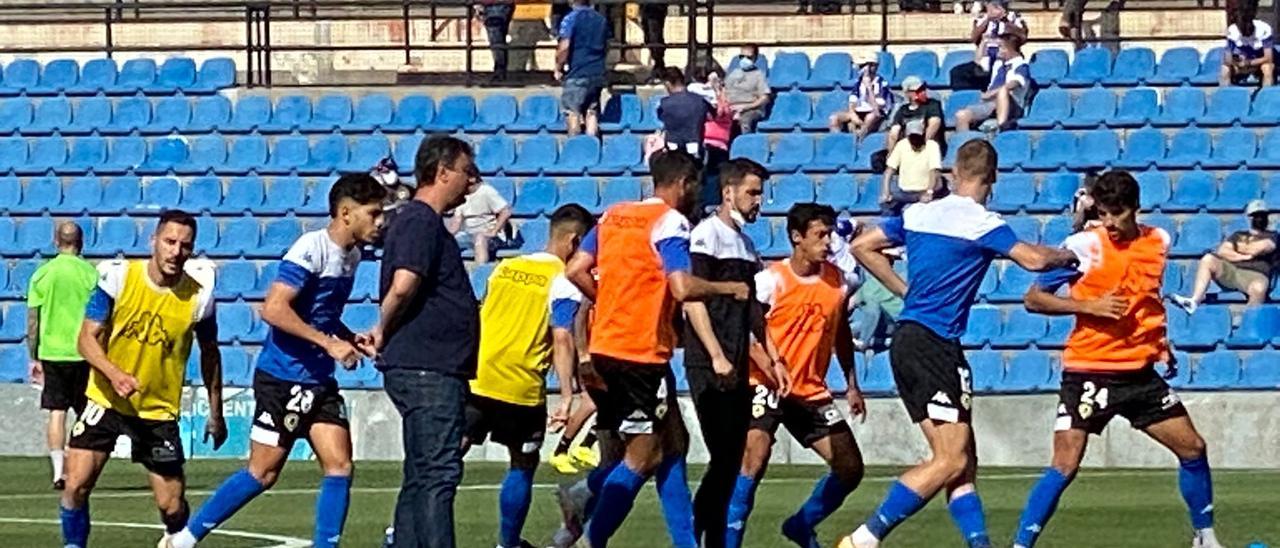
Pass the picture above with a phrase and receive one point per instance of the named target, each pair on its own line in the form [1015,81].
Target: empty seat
[175,75]
[621,112]
[244,195]
[494,153]
[1266,108]
[1029,371]
[986,370]
[118,195]
[124,155]
[950,61]
[332,112]
[835,151]
[234,279]
[1235,147]
[984,325]
[95,77]
[878,376]
[957,101]
[412,113]
[277,236]
[1181,107]
[247,153]
[455,113]
[135,76]
[50,115]
[793,152]
[495,112]
[368,150]
[46,154]
[751,146]
[202,194]
[582,191]
[1216,371]
[1059,330]
[1054,150]
[1209,326]
[1261,371]
[1014,191]
[1014,147]
[235,320]
[206,152]
[1177,66]
[1092,108]
[20,274]
[1268,151]
[290,114]
[922,64]
[1238,188]
[215,74]
[237,237]
[283,195]
[759,233]
[20,75]
[34,235]
[1056,230]
[371,112]
[171,114]
[1137,108]
[164,155]
[1143,149]
[1057,192]
[1050,107]
[622,153]
[86,153]
[13,328]
[91,114]
[130,114]
[868,196]
[405,151]
[1049,66]
[58,76]
[40,194]
[1090,66]
[209,114]
[790,68]
[536,154]
[1014,281]
[1210,68]
[327,154]
[1190,147]
[871,145]
[116,235]
[535,197]
[82,195]
[829,70]
[538,112]
[786,191]
[1133,65]
[1021,329]
[1259,326]
[790,110]
[251,113]
[578,154]
[1226,106]
[619,189]
[1198,234]
[15,114]
[534,232]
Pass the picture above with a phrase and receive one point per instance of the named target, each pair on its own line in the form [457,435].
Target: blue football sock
[595,484]
[966,511]
[1197,490]
[232,495]
[1041,504]
[331,510]
[75,526]
[672,480]
[828,494]
[614,503]
[740,504]
[899,504]
[513,505]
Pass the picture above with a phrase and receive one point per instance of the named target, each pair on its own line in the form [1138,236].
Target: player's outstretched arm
[1043,301]
[869,248]
[1039,258]
[687,287]
[211,372]
[278,312]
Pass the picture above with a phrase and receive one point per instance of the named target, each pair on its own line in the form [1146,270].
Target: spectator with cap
[1244,262]
[912,172]
[1007,93]
[747,90]
[869,101]
[580,66]
[1250,50]
[479,222]
[918,106]
[989,25]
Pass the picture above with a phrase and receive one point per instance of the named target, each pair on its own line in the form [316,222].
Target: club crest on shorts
[1085,410]
[966,401]
[291,421]
[757,410]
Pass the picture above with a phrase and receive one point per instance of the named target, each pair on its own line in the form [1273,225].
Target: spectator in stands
[428,335]
[912,170]
[994,22]
[918,106]
[1071,26]
[653,22]
[1084,214]
[580,66]
[480,220]
[869,101]
[1006,95]
[56,299]
[716,132]
[683,114]
[876,311]
[1250,50]
[496,15]
[748,92]
[752,52]
[1244,262]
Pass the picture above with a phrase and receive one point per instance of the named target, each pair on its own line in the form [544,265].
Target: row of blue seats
[130,194]
[113,236]
[1133,66]
[66,76]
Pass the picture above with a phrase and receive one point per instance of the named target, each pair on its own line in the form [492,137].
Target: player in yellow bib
[526,326]
[138,330]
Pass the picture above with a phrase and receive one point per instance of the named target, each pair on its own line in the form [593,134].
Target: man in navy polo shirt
[428,335]
[580,66]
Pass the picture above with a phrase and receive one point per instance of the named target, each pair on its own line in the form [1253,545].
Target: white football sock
[56,457]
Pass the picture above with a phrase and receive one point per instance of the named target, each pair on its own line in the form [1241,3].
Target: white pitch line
[279,540]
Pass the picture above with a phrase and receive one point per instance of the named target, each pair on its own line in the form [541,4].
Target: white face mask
[737,217]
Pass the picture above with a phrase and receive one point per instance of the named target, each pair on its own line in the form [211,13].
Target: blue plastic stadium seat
[1053,151]
[331,113]
[959,100]
[1059,330]
[91,114]
[829,70]
[877,378]
[412,113]
[1014,191]
[135,75]
[984,325]
[235,321]
[40,195]
[47,153]
[365,283]
[621,154]
[1090,66]
[537,153]
[58,76]
[1057,192]
[1261,371]
[290,114]
[751,146]
[15,114]
[870,145]
[538,112]
[619,189]
[368,150]
[1198,234]
[838,191]
[534,232]
[215,74]
[251,113]
[118,195]
[921,63]
[535,197]
[405,151]
[209,114]
[1181,107]
[577,155]
[1209,68]
[244,195]
[237,237]
[791,109]
[19,76]
[955,140]
[1137,108]
[1021,329]
[327,154]
[34,235]
[1177,66]
[13,365]
[1049,66]
[1259,326]
[1268,151]
[277,236]
[831,102]
[1056,230]
[787,191]
[50,115]
[1266,108]
[759,233]
[177,74]
[235,278]
[372,112]
[888,66]
[950,61]
[237,367]
[1092,108]
[494,153]
[1236,190]
[13,153]
[1014,282]
[1154,190]
[1189,147]
[247,153]
[205,152]
[1134,65]
[621,112]
[455,112]
[1235,147]
[1226,106]
[793,152]
[1143,149]
[13,328]
[868,196]
[1160,220]
[1209,326]
[202,194]
[20,274]
[1216,371]
[790,68]
[86,154]
[495,112]
[990,279]
[1014,147]
[82,195]
[1029,371]
[130,114]
[172,114]
[583,191]
[835,151]
[987,370]
[166,193]
[95,76]
[124,155]
[283,195]
[1049,107]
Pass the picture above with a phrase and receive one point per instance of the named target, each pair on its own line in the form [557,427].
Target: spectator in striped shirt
[869,102]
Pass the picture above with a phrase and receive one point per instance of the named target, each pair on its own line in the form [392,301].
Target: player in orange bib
[806,318]
[1109,363]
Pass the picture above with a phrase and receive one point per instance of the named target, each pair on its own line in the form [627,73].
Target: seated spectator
[918,106]
[683,113]
[993,22]
[1250,51]
[912,169]
[1006,95]
[1244,262]
[480,220]
[875,312]
[868,102]
[752,52]
[580,66]
[748,93]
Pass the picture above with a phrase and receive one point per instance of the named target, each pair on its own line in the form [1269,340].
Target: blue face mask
[746,63]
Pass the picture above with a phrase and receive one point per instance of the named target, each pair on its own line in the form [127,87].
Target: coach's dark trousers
[724,413]
[432,408]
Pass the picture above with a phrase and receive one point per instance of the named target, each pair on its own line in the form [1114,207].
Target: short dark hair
[361,188]
[435,151]
[1116,189]
[1014,40]
[571,215]
[673,76]
[672,166]
[976,158]
[733,172]
[177,216]
[800,216]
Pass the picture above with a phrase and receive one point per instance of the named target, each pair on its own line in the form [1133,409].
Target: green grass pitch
[1104,508]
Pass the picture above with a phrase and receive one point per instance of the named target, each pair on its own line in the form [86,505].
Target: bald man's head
[68,236]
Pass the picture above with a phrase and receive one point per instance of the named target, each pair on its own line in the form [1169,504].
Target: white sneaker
[1185,303]
[1204,538]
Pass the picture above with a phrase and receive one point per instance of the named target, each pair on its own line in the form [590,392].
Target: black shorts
[637,395]
[284,411]
[808,421]
[932,375]
[64,386]
[519,427]
[1088,401]
[157,445]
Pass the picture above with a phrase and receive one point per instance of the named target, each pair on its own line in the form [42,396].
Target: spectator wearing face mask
[748,93]
[869,101]
[918,106]
[913,169]
[752,52]
[1007,93]
[993,22]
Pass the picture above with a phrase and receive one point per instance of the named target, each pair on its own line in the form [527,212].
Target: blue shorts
[581,95]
